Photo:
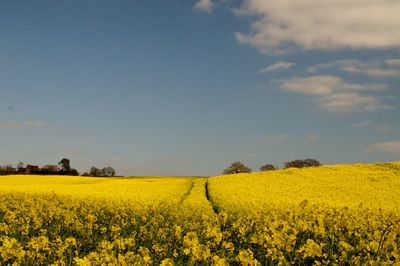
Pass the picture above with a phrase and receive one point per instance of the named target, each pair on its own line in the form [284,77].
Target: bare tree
[95,171]
[108,171]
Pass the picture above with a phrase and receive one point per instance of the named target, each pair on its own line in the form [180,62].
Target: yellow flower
[311,249]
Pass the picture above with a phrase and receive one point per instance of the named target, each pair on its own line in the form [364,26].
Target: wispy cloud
[320,85]
[116,158]
[385,128]
[26,124]
[203,5]
[393,61]
[277,138]
[362,124]
[381,128]
[388,146]
[312,138]
[350,101]
[355,66]
[287,137]
[336,95]
[35,123]
[324,25]
[281,65]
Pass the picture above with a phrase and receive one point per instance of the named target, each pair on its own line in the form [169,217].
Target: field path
[187,192]
[197,199]
[208,197]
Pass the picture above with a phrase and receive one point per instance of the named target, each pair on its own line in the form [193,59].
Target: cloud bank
[322,25]
[336,95]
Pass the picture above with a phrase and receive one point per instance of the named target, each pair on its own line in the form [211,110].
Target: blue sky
[188,87]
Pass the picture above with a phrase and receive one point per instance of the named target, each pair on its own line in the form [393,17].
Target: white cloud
[204,5]
[324,25]
[281,65]
[334,94]
[388,146]
[312,138]
[349,101]
[393,61]
[370,68]
[314,85]
[14,124]
[323,85]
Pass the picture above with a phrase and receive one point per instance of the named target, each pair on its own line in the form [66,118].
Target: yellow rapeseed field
[330,215]
[141,190]
[371,185]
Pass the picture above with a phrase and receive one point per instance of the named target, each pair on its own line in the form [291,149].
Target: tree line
[238,167]
[104,172]
[63,168]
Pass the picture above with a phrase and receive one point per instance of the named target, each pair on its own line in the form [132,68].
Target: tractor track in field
[187,193]
[208,197]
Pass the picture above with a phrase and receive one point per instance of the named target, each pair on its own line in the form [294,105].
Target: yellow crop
[373,186]
[339,215]
[141,190]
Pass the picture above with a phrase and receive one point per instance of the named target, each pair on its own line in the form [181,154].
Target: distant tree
[108,171]
[73,171]
[65,168]
[7,169]
[95,172]
[311,162]
[268,167]
[302,163]
[50,169]
[20,165]
[235,168]
[65,165]
[85,174]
